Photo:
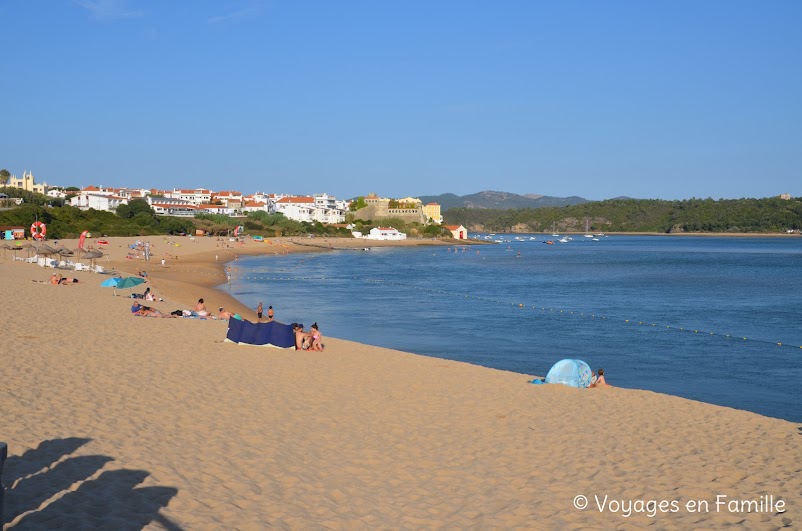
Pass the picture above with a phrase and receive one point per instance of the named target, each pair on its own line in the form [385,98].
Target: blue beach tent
[573,373]
[272,334]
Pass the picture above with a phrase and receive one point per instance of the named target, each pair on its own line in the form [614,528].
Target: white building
[385,233]
[322,208]
[56,193]
[183,209]
[216,209]
[167,206]
[97,201]
[255,206]
[197,196]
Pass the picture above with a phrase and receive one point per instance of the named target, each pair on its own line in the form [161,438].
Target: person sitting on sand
[600,381]
[317,337]
[302,339]
[224,315]
[200,309]
[54,278]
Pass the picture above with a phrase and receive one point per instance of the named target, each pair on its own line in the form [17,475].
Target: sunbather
[200,309]
[146,311]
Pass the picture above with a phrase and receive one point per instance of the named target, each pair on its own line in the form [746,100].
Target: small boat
[563,240]
[549,242]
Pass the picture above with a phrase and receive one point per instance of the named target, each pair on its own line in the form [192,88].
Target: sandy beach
[121,422]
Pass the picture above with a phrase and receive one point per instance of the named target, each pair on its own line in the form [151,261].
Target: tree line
[769,215]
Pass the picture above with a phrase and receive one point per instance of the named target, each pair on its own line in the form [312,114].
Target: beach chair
[32,259]
[81,267]
[3,456]
[99,269]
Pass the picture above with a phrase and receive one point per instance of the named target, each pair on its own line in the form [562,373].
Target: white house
[385,233]
[196,197]
[97,200]
[216,209]
[457,231]
[178,209]
[56,193]
[255,206]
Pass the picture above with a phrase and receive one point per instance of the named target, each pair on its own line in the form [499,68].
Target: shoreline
[159,421]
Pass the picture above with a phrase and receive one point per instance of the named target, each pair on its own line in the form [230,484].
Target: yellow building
[27,183]
[432,211]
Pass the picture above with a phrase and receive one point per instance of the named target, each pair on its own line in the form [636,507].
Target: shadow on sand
[48,487]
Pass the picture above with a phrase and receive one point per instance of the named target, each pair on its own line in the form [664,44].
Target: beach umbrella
[44,248]
[128,283]
[111,282]
[91,255]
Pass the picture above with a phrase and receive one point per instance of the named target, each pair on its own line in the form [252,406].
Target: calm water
[681,296]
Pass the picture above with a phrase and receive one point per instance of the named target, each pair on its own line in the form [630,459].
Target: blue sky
[597,99]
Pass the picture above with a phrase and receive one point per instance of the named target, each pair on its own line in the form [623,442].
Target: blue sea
[712,319]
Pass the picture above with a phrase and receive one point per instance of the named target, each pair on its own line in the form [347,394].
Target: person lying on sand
[57,280]
[147,311]
[224,315]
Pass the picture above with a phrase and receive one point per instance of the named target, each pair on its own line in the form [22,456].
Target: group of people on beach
[597,380]
[260,313]
[304,340]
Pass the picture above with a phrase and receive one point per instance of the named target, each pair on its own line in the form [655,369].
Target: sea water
[711,319]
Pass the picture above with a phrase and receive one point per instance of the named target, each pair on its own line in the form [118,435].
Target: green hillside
[771,215]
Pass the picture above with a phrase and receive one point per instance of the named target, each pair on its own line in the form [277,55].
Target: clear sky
[648,99]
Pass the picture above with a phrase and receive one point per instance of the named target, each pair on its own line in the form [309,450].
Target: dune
[121,422]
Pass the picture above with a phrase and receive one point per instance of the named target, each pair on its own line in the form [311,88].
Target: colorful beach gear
[573,373]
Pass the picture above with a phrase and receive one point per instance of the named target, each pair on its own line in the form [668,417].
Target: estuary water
[712,319]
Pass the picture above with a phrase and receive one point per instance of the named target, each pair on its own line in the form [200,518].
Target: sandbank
[122,422]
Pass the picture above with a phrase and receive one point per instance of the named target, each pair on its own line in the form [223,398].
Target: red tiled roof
[286,200]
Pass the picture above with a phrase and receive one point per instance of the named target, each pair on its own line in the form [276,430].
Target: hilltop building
[432,212]
[27,183]
[409,209]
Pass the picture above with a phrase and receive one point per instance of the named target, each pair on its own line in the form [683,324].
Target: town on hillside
[321,207]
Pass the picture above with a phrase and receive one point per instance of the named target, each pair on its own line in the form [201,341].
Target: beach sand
[119,422]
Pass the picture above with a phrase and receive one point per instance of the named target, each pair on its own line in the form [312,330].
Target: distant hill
[500,200]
